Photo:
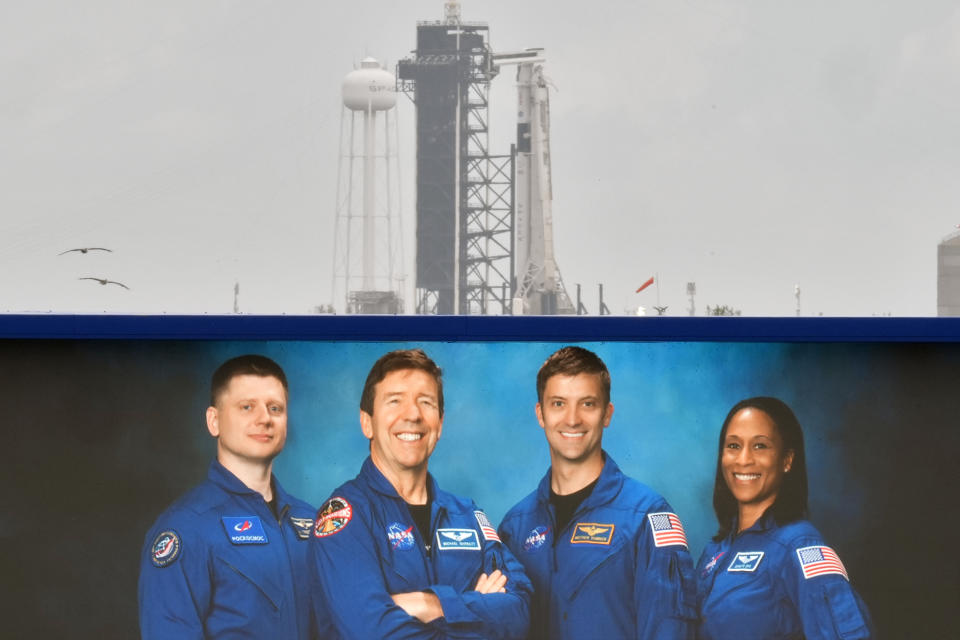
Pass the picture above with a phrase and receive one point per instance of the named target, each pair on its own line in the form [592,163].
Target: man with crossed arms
[393,555]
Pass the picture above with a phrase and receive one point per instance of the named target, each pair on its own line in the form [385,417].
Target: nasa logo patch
[710,565]
[332,517]
[244,530]
[746,561]
[457,539]
[165,548]
[535,539]
[400,536]
[592,533]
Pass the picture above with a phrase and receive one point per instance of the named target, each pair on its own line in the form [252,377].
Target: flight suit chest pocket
[248,576]
[593,552]
[746,576]
[458,556]
[403,566]
[405,570]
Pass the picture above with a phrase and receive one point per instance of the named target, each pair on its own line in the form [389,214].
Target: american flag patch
[667,529]
[820,560]
[489,533]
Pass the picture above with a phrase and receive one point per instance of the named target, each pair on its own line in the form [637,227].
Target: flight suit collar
[608,486]
[222,477]
[379,483]
[764,523]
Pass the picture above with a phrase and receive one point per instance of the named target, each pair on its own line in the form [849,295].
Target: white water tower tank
[369,88]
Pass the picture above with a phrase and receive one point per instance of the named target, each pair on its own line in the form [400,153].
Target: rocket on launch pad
[539,288]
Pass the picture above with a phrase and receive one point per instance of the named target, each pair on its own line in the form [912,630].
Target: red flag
[645,285]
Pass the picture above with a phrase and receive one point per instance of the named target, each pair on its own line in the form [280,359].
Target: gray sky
[745,145]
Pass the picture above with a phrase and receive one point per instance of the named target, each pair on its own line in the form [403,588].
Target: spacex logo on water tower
[369,88]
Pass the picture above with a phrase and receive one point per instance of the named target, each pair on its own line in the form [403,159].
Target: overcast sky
[744,145]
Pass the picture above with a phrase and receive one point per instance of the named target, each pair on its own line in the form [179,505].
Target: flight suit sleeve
[827,604]
[505,535]
[174,587]
[347,582]
[491,615]
[664,587]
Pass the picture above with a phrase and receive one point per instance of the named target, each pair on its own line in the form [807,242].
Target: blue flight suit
[775,581]
[217,564]
[366,547]
[607,574]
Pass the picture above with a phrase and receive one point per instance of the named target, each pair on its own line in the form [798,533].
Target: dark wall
[98,445]
[102,435]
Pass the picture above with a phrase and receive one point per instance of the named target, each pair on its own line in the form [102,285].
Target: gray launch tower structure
[464,205]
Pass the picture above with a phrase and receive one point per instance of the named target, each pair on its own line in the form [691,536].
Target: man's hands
[496,582]
[422,605]
[425,606]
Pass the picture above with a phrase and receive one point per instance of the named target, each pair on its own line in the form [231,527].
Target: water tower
[368,244]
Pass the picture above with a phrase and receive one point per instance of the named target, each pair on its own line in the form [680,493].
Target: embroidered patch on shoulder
[332,517]
[667,529]
[592,533]
[536,538]
[245,530]
[746,561]
[400,536]
[302,526]
[486,528]
[457,539]
[820,560]
[707,568]
[165,548]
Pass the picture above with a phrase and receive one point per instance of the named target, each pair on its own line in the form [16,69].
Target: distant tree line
[722,310]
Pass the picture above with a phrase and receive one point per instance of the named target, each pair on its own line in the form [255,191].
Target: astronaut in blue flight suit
[768,573]
[228,559]
[394,556]
[607,555]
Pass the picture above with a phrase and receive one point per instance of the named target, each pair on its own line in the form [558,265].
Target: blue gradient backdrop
[106,433]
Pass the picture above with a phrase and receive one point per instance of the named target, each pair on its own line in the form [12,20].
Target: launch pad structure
[464,194]
[484,225]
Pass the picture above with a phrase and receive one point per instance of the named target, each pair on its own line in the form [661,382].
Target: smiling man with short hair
[606,554]
[392,554]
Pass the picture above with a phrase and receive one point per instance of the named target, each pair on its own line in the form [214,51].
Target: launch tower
[464,195]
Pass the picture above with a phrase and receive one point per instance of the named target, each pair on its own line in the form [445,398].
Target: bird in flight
[86,249]
[104,281]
